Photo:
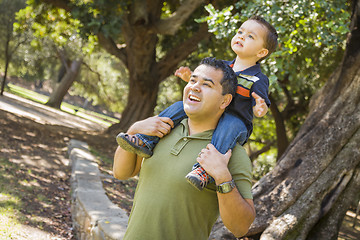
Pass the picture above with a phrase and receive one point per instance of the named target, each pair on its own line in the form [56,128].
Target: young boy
[255,40]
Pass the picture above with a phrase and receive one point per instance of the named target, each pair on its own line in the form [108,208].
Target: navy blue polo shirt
[249,80]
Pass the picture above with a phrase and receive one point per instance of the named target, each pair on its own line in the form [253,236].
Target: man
[165,205]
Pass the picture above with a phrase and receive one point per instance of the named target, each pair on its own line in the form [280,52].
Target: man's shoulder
[240,152]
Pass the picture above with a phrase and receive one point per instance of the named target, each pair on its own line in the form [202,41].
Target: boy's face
[249,41]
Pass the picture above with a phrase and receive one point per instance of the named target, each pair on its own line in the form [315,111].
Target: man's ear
[226,101]
[262,53]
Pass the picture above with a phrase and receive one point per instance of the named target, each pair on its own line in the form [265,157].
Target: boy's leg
[229,130]
[175,112]
[143,145]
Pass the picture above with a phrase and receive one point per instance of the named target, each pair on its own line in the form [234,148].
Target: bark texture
[308,193]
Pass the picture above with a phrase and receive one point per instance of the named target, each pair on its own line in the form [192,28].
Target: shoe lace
[204,176]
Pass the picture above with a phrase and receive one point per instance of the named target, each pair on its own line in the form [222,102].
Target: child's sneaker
[131,143]
[198,177]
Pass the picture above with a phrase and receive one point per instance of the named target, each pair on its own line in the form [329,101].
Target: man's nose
[196,87]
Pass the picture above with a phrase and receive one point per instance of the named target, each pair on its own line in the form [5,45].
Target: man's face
[249,40]
[203,94]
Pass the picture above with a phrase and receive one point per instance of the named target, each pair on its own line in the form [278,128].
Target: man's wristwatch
[225,187]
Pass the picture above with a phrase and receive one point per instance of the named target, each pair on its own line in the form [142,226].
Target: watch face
[226,187]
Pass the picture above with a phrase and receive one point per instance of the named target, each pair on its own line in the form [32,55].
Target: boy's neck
[242,64]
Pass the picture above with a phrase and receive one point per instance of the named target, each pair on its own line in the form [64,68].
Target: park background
[117,58]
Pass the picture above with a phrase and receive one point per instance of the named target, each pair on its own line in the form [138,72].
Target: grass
[10,202]
[101,119]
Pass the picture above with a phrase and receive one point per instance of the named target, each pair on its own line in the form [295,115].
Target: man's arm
[236,212]
[127,164]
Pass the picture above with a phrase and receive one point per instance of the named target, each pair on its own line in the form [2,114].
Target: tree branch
[268,145]
[168,63]
[106,42]
[110,46]
[64,4]
[172,24]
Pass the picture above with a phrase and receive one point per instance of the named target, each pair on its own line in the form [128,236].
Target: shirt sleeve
[261,88]
[240,167]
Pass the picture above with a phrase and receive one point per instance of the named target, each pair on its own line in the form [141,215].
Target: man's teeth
[193,98]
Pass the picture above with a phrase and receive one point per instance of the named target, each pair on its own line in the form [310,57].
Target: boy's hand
[184,73]
[260,109]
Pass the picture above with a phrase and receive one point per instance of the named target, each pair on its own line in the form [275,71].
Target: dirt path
[34,170]
[44,114]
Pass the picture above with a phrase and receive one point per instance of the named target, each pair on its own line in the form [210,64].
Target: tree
[11,41]
[56,34]
[143,25]
[69,71]
[307,194]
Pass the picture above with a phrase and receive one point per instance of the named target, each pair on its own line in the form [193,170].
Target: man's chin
[190,110]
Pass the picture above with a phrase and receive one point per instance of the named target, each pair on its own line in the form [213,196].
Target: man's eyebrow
[205,79]
[209,80]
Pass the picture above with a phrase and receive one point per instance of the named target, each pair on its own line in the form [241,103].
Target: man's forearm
[236,212]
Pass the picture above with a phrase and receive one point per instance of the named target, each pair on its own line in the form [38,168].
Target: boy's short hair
[271,39]
[229,80]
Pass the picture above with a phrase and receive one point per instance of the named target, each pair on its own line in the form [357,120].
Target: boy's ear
[262,53]
[226,101]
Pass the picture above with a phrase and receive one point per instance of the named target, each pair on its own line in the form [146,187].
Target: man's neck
[201,126]
[242,64]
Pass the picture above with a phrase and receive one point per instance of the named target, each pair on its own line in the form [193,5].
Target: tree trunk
[63,86]
[281,137]
[136,108]
[3,83]
[308,193]
[7,61]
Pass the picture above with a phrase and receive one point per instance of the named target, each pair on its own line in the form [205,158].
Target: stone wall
[94,215]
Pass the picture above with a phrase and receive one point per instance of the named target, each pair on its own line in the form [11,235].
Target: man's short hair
[229,80]
[271,38]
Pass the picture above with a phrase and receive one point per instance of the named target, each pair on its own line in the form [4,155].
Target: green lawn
[66,107]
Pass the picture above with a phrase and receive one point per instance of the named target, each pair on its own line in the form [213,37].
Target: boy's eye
[251,36]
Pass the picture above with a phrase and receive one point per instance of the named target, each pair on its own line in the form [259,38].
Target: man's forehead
[207,71]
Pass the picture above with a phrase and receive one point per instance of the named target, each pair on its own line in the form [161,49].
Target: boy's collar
[252,71]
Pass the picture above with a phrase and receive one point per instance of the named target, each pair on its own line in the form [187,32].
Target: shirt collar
[203,135]
[251,71]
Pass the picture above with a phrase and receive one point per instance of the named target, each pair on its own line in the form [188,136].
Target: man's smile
[194,98]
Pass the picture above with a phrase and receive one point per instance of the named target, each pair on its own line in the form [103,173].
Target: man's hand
[260,109]
[184,73]
[152,126]
[215,163]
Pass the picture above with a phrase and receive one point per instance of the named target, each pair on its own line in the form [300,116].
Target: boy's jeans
[229,130]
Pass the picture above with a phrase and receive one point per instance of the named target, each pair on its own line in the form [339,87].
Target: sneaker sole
[126,145]
[194,182]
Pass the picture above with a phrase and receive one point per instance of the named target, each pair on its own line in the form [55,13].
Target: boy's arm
[127,164]
[261,108]
[184,73]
